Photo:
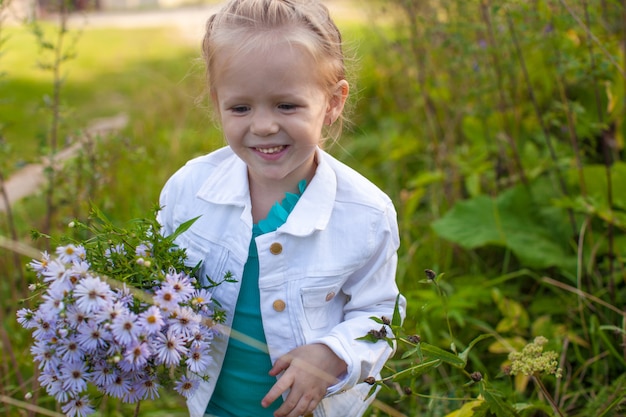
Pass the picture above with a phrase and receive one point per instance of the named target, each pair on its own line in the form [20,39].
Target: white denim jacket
[323,273]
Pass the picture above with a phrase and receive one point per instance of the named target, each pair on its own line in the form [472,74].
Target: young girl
[311,243]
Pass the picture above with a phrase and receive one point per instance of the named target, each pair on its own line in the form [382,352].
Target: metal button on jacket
[276,248]
[279,305]
[330,296]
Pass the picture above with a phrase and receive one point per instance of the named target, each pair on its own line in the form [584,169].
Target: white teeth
[270,150]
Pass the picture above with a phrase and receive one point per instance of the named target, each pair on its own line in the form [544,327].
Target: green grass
[114,71]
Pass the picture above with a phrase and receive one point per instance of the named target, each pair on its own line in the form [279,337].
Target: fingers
[298,405]
[277,390]
[280,365]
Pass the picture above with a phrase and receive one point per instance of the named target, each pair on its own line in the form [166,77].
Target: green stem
[545,392]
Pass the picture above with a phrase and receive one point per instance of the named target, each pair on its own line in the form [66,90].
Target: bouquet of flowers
[121,312]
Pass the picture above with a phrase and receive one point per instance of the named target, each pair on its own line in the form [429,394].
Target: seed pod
[476,376]
[370,380]
[430,274]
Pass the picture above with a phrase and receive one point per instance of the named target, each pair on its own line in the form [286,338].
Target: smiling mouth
[272,150]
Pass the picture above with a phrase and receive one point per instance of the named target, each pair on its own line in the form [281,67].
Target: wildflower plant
[120,311]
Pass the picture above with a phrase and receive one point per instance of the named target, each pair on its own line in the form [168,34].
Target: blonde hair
[242,26]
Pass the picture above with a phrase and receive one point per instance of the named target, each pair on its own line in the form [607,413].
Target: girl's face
[272,108]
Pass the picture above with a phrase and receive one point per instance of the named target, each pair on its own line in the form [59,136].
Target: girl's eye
[239,109]
[287,106]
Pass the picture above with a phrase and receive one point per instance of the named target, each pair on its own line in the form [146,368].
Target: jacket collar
[228,185]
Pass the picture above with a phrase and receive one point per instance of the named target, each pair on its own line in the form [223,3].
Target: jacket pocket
[318,304]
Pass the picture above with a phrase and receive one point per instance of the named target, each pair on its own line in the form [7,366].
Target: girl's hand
[309,371]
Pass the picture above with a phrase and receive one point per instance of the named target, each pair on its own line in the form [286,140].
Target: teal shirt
[244,379]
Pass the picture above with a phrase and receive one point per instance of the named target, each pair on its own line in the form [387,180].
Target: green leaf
[432,351]
[182,228]
[496,402]
[513,220]
[397,318]
[463,355]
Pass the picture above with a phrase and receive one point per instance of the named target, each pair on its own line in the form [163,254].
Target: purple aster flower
[180,284]
[54,385]
[79,270]
[186,386]
[169,348]
[104,373]
[117,249]
[147,387]
[198,358]
[151,320]
[54,297]
[45,353]
[26,318]
[132,395]
[111,312]
[74,376]
[135,357]
[75,316]
[91,336]
[143,250]
[56,271]
[120,385]
[166,298]
[125,328]
[69,350]
[183,320]
[78,407]
[45,325]
[92,295]
[124,296]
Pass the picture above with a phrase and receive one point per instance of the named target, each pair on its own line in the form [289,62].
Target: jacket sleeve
[372,292]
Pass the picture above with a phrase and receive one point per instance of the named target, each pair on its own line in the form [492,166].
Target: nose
[263,123]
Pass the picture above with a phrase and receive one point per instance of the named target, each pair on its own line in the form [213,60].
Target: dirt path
[31,178]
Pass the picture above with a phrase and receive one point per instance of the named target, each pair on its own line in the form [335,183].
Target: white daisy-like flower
[39,266]
[201,297]
[92,295]
[151,320]
[71,253]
